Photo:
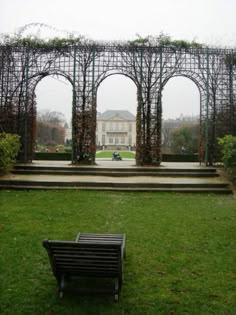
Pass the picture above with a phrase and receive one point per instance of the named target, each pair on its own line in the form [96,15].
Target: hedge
[228,150]
[9,148]
[57,156]
[52,156]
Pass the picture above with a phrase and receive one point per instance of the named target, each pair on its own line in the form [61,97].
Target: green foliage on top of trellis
[36,42]
[18,39]
[163,40]
[72,38]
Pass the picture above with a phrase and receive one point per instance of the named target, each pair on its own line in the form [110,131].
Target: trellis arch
[26,126]
[87,64]
[40,76]
[196,79]
[198,82]
[110,74]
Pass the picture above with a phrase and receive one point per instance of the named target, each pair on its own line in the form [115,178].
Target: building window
[117,126]
[130,127]
[122,140]
[103,127]
[116,140]
[110,140]
[103,139]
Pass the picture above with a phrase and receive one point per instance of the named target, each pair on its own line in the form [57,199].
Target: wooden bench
[71,260]
[95,238]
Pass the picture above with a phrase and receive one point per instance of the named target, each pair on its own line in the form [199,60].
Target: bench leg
[77,237]
[123,252]
[61,286]
[116,296]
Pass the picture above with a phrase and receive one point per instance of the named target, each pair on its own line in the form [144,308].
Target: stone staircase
[177,179]
[114,172]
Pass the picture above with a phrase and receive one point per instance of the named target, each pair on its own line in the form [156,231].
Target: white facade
[68,134]
[116,128]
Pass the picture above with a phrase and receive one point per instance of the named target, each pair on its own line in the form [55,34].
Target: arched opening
[54,112]
[116,116]
[180,116]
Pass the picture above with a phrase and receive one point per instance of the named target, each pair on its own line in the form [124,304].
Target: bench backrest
[87,260]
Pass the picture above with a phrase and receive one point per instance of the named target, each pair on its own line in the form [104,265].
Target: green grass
[123,154]
[180,251]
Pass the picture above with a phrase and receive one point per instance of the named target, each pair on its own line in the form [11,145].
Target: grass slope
[180,251]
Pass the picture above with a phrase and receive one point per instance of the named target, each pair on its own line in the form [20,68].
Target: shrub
[9,148]
[187,136]
[228,149]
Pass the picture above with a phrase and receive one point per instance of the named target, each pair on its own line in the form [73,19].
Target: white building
[116,129]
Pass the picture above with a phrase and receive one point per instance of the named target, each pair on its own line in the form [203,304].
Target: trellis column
[26,105]
[92,151]
[231,94]
[207,111]
[73,157]
[139,118]
[85,124]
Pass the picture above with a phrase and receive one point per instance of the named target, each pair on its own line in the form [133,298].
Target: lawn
[123,154]
[180,251]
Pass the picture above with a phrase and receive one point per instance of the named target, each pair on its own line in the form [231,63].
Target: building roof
[121,114]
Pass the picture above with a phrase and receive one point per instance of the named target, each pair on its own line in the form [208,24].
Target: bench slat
[97,238]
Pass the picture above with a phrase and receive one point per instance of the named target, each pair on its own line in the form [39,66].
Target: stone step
[116,173]
[134,169]
[67,181]
[217,190]
[180,178]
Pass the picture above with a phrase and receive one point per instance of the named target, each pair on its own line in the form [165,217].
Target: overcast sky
[207,21]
